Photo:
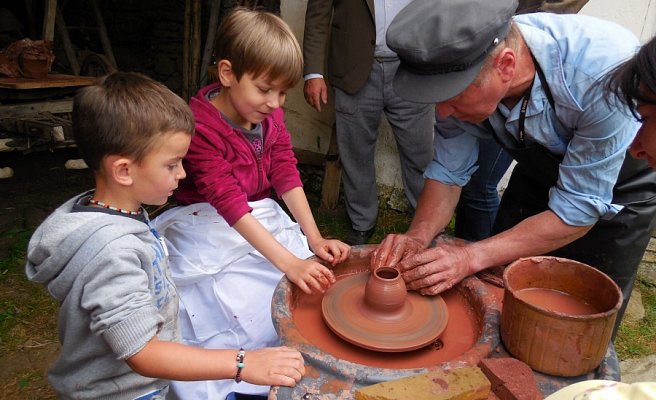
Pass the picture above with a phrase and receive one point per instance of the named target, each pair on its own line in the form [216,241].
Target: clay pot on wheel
[385,290]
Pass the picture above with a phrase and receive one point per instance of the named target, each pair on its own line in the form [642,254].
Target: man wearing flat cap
[531,83]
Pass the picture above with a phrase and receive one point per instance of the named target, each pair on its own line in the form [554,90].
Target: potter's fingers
[413,272]
[396,255]
[425,282]
[435,289]
[379,255]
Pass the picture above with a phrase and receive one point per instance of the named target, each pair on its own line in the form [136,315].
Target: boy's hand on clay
[332,250]
[310,276]
[275,366]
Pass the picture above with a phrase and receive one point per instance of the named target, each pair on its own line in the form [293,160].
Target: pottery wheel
[420,321]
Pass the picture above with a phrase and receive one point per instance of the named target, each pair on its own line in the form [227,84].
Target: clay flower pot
[550,335]
[385,290]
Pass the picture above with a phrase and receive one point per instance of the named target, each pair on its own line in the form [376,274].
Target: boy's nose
[276,101]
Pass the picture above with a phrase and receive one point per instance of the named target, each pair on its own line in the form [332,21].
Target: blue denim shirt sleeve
[455,153]
[591,133]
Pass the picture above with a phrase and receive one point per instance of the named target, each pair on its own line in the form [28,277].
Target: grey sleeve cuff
[129,336]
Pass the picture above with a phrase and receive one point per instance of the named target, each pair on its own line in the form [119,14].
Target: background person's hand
[394,248]
[316,92]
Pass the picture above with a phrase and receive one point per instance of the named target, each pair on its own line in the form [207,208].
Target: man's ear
[505,63]
[226,75]
[120,169]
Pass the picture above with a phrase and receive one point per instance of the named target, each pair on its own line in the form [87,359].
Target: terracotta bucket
[551,338]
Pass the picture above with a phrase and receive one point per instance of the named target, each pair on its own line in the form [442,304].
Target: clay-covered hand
[310,276]
[316,92]
[436,269]
[275,366]
[394,248]
[331,250]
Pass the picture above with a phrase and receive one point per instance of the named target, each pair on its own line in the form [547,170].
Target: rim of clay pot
[487,341]
[508,287]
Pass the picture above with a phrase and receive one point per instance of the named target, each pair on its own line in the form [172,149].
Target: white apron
[225,285]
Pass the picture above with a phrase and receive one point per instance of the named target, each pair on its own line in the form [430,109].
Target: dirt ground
[40,183]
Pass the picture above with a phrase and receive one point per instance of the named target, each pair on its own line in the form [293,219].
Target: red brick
[511,379]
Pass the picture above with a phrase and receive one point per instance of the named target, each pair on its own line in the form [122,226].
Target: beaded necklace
[107,206]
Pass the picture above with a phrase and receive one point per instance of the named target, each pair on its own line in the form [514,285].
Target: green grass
[638,339]
[26,309]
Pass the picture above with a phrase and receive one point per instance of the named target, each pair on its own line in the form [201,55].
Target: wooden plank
[51,81]
[332,177]
[27,109]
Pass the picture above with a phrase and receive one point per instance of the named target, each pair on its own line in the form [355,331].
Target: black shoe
[356,238]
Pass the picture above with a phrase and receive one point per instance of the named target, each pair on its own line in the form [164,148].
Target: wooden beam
[25,109]
[49,16]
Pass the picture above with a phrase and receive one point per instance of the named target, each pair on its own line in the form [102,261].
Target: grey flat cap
[443,44]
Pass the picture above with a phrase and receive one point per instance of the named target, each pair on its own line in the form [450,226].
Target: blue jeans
[479,200]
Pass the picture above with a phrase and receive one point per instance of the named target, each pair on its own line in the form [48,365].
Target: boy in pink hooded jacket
[230,241]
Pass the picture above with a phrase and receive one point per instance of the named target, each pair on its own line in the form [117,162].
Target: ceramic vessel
[385,291]
[548,339]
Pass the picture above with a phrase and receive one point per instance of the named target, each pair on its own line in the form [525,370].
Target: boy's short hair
[122,114]
[259,43]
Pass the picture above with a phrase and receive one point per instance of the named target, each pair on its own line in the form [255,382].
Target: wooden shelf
[50,81]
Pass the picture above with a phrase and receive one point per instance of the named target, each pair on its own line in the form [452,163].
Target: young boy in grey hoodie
[100,258]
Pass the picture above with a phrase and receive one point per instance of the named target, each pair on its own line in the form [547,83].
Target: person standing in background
[360,67]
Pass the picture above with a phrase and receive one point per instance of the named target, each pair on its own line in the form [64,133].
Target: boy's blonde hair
[124,113]
[259,43]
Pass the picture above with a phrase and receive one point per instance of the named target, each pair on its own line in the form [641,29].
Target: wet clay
[460,334]
[555,300]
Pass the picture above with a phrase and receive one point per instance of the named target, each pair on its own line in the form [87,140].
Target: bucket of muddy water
[558,314]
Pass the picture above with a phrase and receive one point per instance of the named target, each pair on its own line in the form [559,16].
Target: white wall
[311,130]
[637,15]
